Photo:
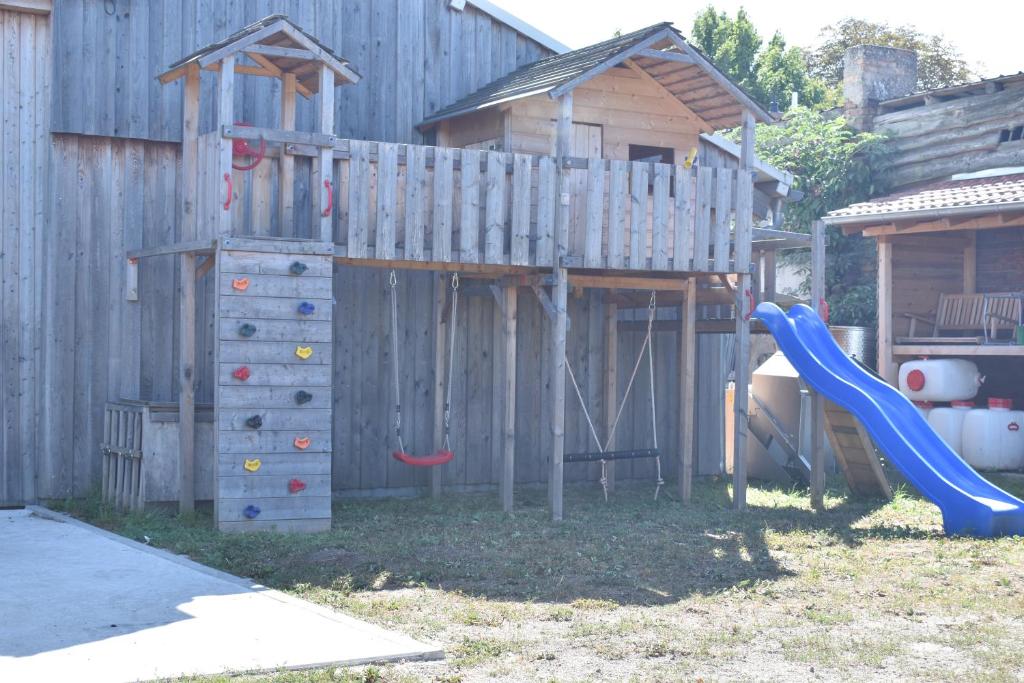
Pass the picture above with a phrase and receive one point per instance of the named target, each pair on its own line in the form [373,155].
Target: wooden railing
[436,204]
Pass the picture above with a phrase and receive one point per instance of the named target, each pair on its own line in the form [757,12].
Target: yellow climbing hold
[240,283]
[252,465]
[690,158]
[303,352]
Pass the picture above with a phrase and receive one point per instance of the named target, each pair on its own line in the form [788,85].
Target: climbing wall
[273,395]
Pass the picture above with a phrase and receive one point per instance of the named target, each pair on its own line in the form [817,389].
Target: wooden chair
[966,313]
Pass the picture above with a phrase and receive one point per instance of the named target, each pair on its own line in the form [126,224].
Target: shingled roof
[278,44]
[971,195]
[659,50]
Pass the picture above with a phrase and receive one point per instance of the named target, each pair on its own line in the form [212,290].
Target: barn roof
[659,50]
[277,46]
[960,196]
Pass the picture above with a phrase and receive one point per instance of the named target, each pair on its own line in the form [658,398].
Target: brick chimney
[872,74]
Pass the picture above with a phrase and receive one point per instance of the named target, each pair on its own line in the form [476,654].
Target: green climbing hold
[302,396]
[246,330]
[254,422]
[297,268]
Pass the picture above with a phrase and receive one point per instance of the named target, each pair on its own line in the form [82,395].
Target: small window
[660,155]
[1011,134]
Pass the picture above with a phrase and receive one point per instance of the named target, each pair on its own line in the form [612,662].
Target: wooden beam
[279,51]
[626,282]
[687,389]
[770,276]
[225,117]
[441,326]
[670,97]
[611,377]
[29,6]
[325,187]
[817,400]
[508,431]
[196,246]
[886,367]
[971,263]
[228,51]
[557,384]
[612,61]
[286,173]
[988,221]
[204,267]
[742,250]
[678,57]
[994,350]
[186,384]
[330,61]
[190,155]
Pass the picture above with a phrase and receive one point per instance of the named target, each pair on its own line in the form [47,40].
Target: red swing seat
[439,458]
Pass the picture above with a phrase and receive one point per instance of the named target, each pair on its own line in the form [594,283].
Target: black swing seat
[597,456]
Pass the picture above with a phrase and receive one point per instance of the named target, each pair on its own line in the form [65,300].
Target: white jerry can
[993,437]
[940,379]
[948,422]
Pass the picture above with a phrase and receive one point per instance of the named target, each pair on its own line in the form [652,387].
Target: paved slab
[79,603]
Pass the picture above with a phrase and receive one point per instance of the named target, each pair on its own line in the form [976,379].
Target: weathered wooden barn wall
[924,266]
[935,141]
[24,149]
[414,57]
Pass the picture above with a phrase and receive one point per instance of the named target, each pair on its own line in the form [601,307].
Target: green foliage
[939,62]
[771,73]
[834,166]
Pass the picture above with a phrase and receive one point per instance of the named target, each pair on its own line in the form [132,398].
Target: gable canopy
[658,50]
[276,46]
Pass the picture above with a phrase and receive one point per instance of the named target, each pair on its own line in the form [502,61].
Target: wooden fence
[395,202]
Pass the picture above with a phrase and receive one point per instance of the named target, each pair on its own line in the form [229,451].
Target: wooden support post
[560,297]
[687,388]
[742,254]
[886,367]
[817,400]
[611,378]
[190,155]
[225,117]
[440,376]
[971,263]
[186,384]
[325,180]
[770,273]
[286,175]
[508,427]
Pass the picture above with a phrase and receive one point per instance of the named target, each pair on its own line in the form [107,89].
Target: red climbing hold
[241,373]
[302,442]
[296,485]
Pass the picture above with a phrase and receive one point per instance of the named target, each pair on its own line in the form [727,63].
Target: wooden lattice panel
[273,397]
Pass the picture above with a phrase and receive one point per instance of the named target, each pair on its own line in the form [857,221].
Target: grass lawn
[643,590]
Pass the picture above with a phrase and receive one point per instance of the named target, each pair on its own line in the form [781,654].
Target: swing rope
[648,346]
[445,454]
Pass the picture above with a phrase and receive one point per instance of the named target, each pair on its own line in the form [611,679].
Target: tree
[939,63]
[834,166]
[735,47]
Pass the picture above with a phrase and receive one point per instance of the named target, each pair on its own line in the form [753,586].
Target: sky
[987,32]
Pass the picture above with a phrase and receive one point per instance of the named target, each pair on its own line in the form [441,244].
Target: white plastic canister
[948,422]
[940,379]
[993,438]
[924,407]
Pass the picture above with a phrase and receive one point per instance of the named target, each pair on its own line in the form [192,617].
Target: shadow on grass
[632,550]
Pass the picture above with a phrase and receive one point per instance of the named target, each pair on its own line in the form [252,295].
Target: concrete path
[79,603]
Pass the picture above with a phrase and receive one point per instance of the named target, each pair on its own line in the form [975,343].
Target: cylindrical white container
[993,438]
[924,407]
[948,422]
[940,379]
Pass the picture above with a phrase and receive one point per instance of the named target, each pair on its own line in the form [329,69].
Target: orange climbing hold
[240,283]
[302,442]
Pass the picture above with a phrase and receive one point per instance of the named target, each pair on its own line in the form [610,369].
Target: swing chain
[451,361]
[393,281]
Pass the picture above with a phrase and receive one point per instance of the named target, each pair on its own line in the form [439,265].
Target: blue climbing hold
[246,330]
[306,308]
[251,511]
[297,268]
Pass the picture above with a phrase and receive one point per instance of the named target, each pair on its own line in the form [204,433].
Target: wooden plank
[325,186]
[234,351]
[274,419]
[494,212]
[441,330]
[358,198]
[275,509]
[444,159]
[619,182]
[659,219]
[723,215]
[521,180]
[817,400]
[244,396]
[595,214]
[508,431]
[682,219]
[251,263]
[687,389]
[276,330]
[225,117]
[469,209]
[560,294]
[702,225]
[415,198]
[547,189]
[291,464]
[186,384]
[305,287]
[266,442]
[610,384]
[387,202]
[284,372]
[286,170]
[262,485]
[638,192]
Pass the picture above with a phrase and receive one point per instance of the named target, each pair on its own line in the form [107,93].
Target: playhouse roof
[277,46]
[659,50]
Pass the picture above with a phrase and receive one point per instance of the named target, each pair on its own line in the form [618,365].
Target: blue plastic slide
[970,504]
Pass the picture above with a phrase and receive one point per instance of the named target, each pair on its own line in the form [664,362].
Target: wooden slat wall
[923,266]
[109,54]
[24,154]
[1000,260]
